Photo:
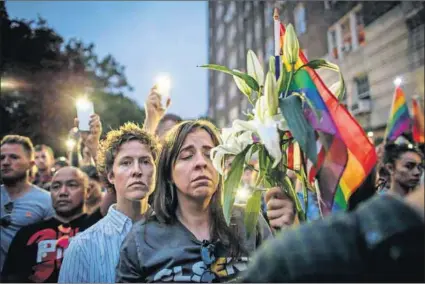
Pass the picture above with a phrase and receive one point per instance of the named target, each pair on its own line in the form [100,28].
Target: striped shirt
[93,255]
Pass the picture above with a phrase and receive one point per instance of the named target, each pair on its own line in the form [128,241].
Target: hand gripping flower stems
[276,121]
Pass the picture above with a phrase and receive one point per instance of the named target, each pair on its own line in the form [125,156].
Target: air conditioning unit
[361,106]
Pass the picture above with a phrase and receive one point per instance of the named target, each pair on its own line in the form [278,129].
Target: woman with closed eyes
[187,238]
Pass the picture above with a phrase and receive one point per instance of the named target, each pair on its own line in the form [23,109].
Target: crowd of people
[144,204]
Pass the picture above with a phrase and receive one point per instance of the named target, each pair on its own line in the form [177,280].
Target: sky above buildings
[148,37]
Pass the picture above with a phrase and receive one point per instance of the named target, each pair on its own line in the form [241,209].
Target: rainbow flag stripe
[418,122]
[399,121]
[345,154]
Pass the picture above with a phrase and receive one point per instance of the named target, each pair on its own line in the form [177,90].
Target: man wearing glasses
[22,203]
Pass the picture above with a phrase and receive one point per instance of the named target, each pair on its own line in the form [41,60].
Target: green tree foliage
[48,75]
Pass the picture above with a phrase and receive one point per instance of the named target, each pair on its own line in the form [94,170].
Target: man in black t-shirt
[36,252]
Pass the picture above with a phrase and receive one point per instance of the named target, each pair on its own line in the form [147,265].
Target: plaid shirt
[383,240]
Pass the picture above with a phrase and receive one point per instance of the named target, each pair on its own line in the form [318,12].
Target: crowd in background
[144,205]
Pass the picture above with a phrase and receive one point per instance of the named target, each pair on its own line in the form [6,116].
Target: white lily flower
[233,144]
[267,130]
[266,127]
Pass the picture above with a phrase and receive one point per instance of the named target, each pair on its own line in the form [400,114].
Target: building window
[347,40]
[242,51]
[416,41]
[233,91]
[362,86]
[232,34]
[269,15]
[270,46]
[248,7]
[361,37]
[220,10]
[362,99]
[233,60]
[220,55]
[346,35]
[300,19]
[220,102]
[220,32]
[258,31]
[220,79]
[333,43]
[249,40]
[231,11]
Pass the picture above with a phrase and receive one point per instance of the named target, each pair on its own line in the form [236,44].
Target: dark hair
[393,152]
[42,147]
[62,161]
[165,194]
[170,116]
[91,172]
[24,141]
[109,148]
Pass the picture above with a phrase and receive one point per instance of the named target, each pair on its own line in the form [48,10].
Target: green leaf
[242,85]
[250,81]
[321,63]
[305,99]
[300,128]
[264,164]
[252,211]
[252,150]
[231,184]
[340,93]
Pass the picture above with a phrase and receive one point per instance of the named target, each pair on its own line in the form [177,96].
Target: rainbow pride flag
[345,154]
[399,121]
[418,122]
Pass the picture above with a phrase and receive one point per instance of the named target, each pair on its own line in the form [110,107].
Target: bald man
[36,252]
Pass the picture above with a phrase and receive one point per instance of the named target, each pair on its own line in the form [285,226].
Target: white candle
[163,84]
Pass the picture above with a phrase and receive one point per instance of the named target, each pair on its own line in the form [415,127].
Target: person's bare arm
[154,111]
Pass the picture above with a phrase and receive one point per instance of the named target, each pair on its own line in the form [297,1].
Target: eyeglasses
[208,257]
[6,220]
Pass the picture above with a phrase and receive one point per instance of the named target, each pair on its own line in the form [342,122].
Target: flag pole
[277,49]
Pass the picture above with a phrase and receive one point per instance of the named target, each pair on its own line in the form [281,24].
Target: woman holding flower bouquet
[187,238]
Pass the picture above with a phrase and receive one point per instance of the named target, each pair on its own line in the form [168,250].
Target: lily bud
[291,46]
[281,82]
[270,94]
[272,66]
[260,107]
[254,67]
